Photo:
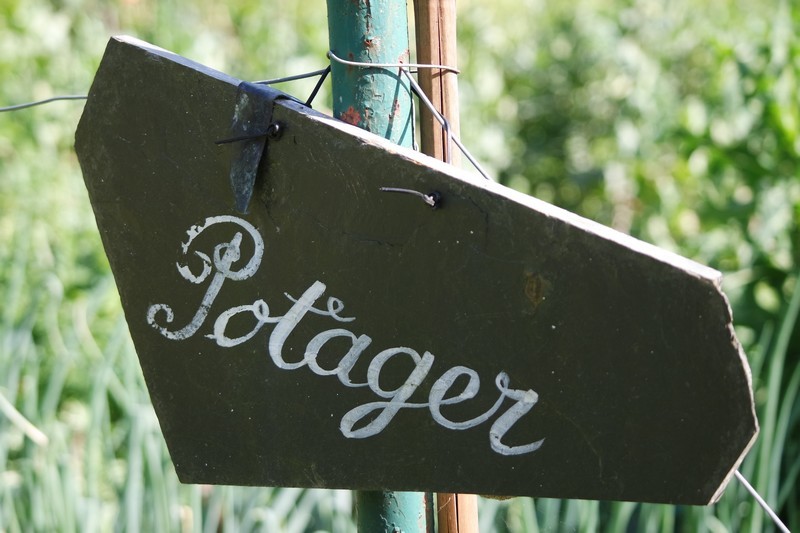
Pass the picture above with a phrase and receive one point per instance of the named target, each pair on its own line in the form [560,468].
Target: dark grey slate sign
[341,336]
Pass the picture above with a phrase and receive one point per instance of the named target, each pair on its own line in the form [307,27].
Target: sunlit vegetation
[675,121]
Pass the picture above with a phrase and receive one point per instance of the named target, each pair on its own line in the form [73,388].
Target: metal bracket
[251,128]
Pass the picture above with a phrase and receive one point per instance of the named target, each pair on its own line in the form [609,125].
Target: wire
[404,69]
[445,124]
[322,73]
[333,56]
[319,72]
[442,120]
[762,503]
[46,101]
[325,72]
[433,199]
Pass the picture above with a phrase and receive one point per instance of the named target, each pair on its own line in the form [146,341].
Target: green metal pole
[392,512]
[377,100]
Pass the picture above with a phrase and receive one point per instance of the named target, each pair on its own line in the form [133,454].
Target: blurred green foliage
[672,120]
[677,122]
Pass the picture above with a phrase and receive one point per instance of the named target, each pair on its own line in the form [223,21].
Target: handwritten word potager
[377,414]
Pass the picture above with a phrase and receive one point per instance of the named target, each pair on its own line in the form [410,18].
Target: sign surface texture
[338,335]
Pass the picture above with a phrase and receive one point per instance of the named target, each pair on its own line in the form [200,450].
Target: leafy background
[675,121]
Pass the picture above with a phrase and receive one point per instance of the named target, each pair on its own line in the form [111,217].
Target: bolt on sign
[299,323]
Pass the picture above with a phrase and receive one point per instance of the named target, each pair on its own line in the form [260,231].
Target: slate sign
[338,335]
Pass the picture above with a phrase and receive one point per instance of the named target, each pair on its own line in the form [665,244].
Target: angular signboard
[331,333]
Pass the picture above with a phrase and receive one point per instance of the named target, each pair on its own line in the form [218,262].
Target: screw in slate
[275,130]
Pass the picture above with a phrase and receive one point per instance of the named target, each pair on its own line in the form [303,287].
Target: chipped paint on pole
[375,99]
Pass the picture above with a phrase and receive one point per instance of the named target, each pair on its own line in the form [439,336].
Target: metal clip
[251,128]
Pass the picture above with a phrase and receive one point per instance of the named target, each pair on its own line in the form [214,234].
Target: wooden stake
[457,513]
[436,44]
